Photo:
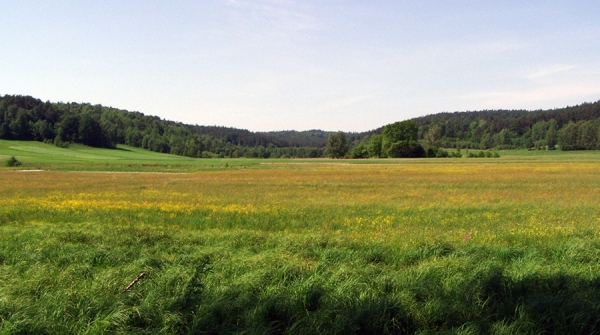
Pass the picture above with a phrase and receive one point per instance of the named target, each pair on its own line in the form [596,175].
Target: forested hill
[28,118]
[309,138]
[571,128]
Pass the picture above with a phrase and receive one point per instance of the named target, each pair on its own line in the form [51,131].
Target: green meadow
[38,155]
[172,245]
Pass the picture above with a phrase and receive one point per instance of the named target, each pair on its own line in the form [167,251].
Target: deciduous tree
[374,146]
[400,140]
[336,145]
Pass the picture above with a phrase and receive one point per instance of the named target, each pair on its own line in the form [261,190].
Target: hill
[571,128]
[27,118]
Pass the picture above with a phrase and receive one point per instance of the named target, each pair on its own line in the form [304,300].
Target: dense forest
[27,118]
[569,128]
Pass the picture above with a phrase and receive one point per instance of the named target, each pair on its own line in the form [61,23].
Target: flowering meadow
[414,246]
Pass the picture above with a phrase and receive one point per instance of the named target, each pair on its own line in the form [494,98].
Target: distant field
[37,155]
[503,246]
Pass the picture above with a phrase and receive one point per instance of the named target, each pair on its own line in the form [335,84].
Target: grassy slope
[505,245]
[37,155]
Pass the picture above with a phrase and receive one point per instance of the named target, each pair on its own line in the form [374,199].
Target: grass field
[504,246]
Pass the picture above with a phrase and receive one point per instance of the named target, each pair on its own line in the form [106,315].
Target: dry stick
[137,279]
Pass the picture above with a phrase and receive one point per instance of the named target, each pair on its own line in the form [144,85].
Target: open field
[42,156]
[509,245]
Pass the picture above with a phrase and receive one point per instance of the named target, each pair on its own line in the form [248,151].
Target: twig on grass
[137,279]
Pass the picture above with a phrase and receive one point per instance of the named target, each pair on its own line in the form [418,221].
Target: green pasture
[43,156]
[38,155]
[507,245]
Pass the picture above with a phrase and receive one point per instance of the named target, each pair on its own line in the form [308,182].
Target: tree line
[569,128]
[27,118]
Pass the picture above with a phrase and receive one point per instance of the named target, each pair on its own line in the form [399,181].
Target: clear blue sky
[285,64]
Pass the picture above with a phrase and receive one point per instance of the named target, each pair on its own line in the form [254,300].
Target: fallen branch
[137,279]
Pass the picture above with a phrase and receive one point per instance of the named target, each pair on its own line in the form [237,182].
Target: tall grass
[458,247]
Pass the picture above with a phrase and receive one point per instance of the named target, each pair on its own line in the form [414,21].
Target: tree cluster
[398,140]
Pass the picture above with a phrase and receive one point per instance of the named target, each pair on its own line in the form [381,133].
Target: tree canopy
[400,139]
[337,146]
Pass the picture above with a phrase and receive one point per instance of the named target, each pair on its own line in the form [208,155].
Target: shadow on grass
[494,303]
[557,304]
[437,293]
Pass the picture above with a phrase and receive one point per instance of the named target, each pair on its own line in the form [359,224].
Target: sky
[268,65]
